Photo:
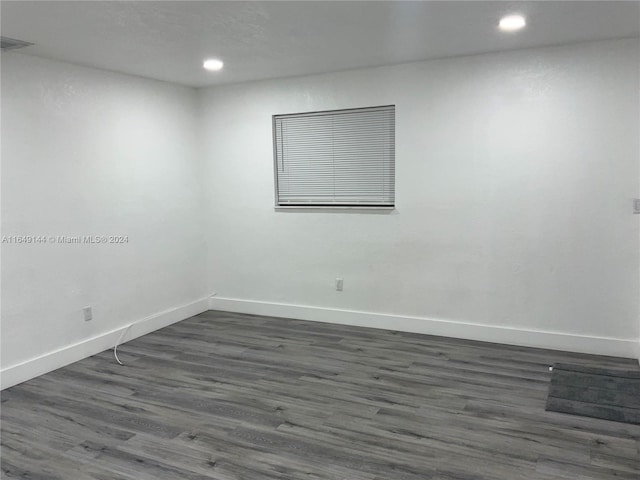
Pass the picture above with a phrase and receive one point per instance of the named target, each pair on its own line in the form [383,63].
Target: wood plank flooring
[230,396]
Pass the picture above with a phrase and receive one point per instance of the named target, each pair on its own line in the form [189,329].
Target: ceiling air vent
[11,44]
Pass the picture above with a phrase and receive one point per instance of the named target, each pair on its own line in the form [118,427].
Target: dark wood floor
[230,396]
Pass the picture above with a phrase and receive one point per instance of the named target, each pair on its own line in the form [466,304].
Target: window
[335,158]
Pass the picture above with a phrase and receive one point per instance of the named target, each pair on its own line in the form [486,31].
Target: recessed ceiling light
[213,64]
[511,23]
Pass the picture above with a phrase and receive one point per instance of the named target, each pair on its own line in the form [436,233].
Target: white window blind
[335,158]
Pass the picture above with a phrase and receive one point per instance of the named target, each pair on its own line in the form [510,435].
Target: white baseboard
[37,366]
[618,347]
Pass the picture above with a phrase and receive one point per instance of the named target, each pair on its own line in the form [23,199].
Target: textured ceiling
[256,40]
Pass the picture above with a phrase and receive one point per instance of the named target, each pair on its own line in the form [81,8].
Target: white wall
[89,152]
[515,174]
[514,178]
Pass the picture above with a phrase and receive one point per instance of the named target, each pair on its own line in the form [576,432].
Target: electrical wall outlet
[88,314]
[339,284]
[636,205]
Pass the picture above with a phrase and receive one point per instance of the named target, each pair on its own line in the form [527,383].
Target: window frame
[327,206]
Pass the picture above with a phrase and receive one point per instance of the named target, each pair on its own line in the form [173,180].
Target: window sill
[315,208]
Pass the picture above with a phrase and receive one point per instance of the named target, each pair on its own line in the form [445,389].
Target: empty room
[320,240]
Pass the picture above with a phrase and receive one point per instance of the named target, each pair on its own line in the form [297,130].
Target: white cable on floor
[124,332]
[115,348]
